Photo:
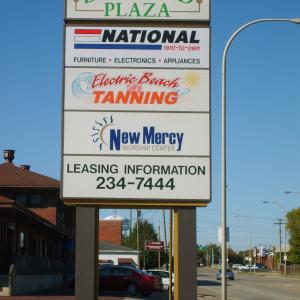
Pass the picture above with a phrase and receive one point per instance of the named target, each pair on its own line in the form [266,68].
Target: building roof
[111,247]
[9,207]
[6,200]
[13,176]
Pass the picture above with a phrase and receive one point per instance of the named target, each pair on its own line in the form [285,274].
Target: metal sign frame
[133,202]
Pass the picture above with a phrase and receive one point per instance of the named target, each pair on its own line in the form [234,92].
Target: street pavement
[68,294]
[259,286]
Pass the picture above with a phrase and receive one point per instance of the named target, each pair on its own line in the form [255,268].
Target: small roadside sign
[154,245]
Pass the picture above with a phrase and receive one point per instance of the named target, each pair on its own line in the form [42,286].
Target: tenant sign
[136,133]
[120,180]
[141,47]
[137,90]
[159,10]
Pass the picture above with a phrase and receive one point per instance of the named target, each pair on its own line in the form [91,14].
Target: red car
[128,279]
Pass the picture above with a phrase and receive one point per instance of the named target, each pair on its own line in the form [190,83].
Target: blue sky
[263,107]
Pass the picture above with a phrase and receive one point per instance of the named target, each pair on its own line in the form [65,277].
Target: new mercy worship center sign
[163,10]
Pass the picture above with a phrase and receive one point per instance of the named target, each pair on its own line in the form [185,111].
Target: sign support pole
[171,256]
[86,266]
[185,262]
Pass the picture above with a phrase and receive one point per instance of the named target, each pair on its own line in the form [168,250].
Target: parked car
[237,266]
[261,266]
[229,274]
[164,276]
[128,279]
[248,267]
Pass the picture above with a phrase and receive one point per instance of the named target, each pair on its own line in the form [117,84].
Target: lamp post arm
[282,207]
[244,27]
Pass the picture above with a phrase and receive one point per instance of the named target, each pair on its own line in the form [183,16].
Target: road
[245,287]
[248,286]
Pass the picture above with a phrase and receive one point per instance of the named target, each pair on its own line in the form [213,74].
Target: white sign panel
[150,47]
[160,10]
[129,133]
[137,89]
[136,178]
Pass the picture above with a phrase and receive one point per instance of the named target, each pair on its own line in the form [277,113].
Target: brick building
[36,228]
[111,231]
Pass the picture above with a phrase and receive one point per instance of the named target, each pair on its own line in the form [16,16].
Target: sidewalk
[58,294]
[39,297]
[68,294]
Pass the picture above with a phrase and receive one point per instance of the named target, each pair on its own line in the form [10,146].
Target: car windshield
[141,272]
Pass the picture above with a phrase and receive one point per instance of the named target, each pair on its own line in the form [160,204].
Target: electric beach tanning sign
[151,47]
[159,10]
[137,89]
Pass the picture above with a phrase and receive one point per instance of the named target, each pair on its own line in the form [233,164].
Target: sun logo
[99,129]
[192,80]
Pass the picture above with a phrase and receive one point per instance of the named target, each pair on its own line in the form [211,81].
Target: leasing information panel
[136,128]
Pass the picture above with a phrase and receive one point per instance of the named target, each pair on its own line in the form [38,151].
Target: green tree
[202,257]
[293,226]
[235,257]
[214,254]
[148,259]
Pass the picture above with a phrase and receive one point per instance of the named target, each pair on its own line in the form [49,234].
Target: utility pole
[207,257]
[130,222]
[159,240]
[170,255]
[165,230]
[138,238]
[280,250]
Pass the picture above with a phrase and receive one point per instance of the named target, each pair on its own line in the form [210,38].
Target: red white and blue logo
[131,38]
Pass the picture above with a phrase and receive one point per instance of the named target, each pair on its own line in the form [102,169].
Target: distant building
[117,254]
[111,250]
[36,228]
[110,231]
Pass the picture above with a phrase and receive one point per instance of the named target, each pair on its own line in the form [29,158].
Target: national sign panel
[151,47]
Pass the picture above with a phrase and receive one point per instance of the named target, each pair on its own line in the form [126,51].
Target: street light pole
[223,158]
[285,221]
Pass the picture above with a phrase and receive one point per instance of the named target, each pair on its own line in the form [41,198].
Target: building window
[22,239]
[21,198]
[36,199]
[22,242]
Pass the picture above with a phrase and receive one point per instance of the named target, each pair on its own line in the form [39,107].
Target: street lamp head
[266,202]
[295,20]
